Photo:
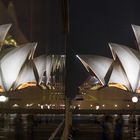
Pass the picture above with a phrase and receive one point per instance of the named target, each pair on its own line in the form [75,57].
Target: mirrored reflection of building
[19,69]
[121,74]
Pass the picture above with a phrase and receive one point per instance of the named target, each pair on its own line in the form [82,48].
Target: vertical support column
[68,119]
[68,63]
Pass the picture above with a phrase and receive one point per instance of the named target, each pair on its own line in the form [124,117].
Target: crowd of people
[23,125]
[113,128]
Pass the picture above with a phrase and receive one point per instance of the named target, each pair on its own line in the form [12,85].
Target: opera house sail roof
[122,70]
[19,68]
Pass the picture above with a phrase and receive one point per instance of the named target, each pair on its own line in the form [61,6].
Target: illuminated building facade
[121,71]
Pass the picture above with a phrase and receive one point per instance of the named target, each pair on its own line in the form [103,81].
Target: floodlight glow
[77,55]
[134,99]
[3,98]
[48,107]
[41,106]
[15,105]
[97,107]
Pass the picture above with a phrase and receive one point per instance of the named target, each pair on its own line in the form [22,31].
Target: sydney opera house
[122,71]
[21,70]
[111,84]
[49,92]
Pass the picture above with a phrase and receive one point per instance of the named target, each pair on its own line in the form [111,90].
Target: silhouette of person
[107,126]
[18,123]
[132,123]
[118,131]
[30,127]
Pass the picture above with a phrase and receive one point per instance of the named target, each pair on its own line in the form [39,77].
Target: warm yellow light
[97,107]
[95,87]
[138,90]
[1,89]
[117,86]
[10,41]
[29,84]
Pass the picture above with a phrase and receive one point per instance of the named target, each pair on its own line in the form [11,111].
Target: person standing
[118,131]
[18,123]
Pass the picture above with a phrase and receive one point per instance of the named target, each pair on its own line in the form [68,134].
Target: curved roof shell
[123,69]
[18,65]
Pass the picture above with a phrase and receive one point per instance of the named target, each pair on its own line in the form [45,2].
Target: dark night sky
[93,23]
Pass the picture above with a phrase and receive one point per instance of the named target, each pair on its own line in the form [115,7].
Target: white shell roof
[12,62]
[40,63]
[26,75]
[136,30]
[49,65]
[3,31]
[125,68]
[18,65]
[118,76]
[129,62]
[98,64]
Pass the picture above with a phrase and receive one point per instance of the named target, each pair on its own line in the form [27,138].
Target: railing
[56,131]
[76,111]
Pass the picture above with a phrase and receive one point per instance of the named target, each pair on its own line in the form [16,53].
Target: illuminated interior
[25,85]
[19,69]
[117,86]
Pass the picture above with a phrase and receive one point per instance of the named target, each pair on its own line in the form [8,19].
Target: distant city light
[134,99]
[97,107]
[15,105]
[48,106]
[41,106]
[103,105]
[29,105]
